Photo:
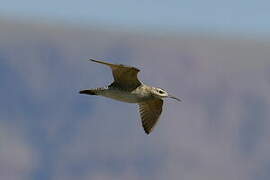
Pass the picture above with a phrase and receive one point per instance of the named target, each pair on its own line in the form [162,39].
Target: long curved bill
[173,97]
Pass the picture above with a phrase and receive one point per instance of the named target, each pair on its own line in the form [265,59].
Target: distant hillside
[80,43]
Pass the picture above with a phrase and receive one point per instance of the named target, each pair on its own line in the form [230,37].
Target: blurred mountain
[220,131]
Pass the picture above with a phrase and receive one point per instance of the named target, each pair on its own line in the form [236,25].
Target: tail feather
[88,91]
[96,91]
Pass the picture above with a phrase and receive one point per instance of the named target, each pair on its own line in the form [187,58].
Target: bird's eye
[161,92]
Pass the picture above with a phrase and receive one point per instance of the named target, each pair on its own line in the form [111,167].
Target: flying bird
[126,87]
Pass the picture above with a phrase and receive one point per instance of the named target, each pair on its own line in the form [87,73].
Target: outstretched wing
[124,76]
[150,112]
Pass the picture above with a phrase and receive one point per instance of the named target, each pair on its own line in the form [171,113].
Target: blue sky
[240,16]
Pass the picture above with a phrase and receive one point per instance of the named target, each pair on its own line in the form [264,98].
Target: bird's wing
[150,111]
[124,76]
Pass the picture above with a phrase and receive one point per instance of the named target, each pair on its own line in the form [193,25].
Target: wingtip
[147,131]
[99,61]
[94,60]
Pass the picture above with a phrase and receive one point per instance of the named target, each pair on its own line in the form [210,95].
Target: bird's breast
[124,96]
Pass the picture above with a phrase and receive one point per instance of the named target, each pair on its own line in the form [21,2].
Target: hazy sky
[50,132]
[240,16]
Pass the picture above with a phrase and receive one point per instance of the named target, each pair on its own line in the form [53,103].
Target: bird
[126,87]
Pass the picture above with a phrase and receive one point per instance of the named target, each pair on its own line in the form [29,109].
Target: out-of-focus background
[214,55]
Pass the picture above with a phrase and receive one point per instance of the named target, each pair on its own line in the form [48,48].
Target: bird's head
[160,93]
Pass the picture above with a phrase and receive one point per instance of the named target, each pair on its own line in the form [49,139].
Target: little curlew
[127,88]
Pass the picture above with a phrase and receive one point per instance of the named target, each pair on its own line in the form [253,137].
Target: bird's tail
[96,91]
[88,91]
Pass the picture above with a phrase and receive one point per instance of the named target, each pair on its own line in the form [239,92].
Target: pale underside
[138,95]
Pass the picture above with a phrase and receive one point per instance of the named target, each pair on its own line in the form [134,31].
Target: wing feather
[150,112]
[125,77]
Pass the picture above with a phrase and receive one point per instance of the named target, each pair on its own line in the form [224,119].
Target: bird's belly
[123,96]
